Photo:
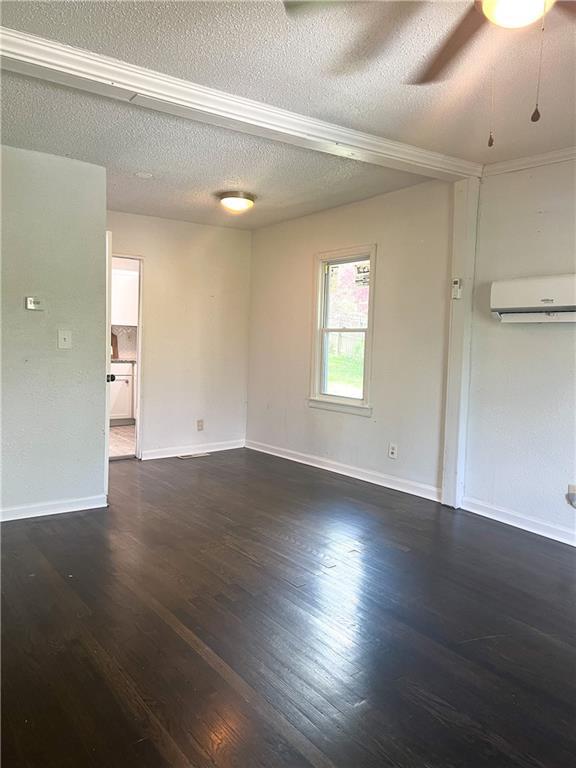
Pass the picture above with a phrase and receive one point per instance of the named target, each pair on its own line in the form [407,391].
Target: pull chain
[491,136]
[492,88]
[536,114]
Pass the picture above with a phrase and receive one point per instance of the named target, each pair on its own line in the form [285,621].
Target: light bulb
[515,13]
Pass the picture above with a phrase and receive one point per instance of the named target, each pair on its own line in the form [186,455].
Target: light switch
[64,339]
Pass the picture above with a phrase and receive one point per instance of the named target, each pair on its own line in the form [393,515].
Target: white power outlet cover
[392,451]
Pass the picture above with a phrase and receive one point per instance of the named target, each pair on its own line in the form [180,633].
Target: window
[340,379]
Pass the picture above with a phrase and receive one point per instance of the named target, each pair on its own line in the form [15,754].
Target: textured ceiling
[189,161]
[302,63]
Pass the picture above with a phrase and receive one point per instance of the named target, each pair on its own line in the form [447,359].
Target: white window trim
[332,402]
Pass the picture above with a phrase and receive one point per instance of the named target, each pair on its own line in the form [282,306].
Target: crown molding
[87,71]
[523,163]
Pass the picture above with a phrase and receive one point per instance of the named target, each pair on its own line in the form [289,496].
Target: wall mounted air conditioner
[550,299]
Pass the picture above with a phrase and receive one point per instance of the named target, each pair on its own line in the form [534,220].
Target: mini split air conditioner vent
[549,299]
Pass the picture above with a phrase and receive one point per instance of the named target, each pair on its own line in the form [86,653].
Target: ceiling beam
[87,71]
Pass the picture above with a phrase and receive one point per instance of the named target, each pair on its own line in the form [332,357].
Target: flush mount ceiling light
[143,174]
[236,202]
[513,14]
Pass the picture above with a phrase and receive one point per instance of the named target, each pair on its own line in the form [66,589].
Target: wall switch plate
[392,451]
[64,339]
[34,303]
[200,425]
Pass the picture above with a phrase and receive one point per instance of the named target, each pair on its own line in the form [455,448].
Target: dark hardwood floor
[242,610]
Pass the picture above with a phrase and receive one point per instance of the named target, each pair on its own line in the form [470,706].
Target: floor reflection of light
[225,729]
[339,590]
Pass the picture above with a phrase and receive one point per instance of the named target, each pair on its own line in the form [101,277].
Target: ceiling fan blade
[568,6]
[291,6]
[377,35]
[296,7]
[459,39]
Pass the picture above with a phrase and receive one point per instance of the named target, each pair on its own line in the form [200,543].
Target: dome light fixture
[236,202]
[514,14]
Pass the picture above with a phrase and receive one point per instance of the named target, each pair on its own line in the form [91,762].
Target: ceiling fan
[511,14]
[503,13]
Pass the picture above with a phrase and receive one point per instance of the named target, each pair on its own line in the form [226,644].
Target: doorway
[125,357]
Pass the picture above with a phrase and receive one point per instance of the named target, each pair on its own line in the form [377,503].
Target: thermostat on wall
[33,302]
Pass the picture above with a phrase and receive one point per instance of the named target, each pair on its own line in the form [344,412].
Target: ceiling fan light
[513,14]
[236,202]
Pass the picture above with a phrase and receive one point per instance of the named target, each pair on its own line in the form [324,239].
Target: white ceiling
[300,63]
[254,49]
[189,161]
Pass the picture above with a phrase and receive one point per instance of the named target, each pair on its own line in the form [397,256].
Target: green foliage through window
[346,299]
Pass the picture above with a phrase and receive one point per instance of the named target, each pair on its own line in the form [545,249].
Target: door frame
[107,361]
[140,346]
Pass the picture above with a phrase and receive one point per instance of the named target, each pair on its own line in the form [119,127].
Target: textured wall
[195,285]
[412,231]
[53,401]
[522,430]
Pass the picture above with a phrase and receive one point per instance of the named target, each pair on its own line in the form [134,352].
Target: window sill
[335,405]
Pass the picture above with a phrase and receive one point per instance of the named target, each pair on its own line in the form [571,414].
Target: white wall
[522,430]
[195,288]
[198,303]
[53,401]
[412,230]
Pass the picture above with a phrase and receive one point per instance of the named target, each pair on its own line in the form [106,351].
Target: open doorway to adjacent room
[125,343]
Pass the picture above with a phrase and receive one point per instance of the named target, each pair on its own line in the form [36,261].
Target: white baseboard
[368,475]
[185,450]
[517,519]
[52,508]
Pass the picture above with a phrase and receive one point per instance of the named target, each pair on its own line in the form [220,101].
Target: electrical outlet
[392,451]
[200,425]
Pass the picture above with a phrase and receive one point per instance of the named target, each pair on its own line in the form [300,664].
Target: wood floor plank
[242,611]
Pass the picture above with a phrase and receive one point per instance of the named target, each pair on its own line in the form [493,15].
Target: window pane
[347,294]
[344,364]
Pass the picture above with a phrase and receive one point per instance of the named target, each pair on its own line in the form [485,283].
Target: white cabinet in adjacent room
[122,391]
[124,293]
